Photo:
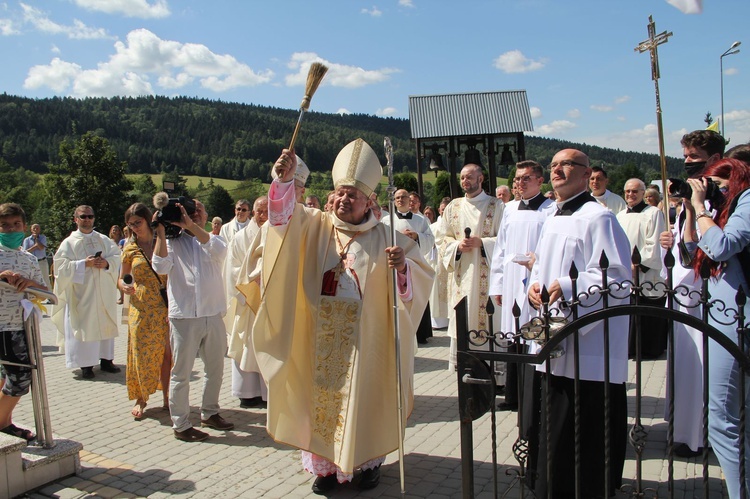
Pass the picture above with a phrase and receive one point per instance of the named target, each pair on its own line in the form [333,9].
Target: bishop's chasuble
[330,361]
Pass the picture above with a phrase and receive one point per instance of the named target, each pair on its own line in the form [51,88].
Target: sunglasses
[243,210]
[85,217]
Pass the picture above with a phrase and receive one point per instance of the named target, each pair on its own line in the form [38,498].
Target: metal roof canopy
[457,122]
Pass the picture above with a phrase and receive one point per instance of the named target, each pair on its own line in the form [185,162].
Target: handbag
[162,289]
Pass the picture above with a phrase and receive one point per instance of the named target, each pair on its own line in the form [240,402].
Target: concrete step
[27,467]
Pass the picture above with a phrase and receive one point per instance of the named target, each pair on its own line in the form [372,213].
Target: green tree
[144,189]
[88,173]
[405,181]
[442,188]
[621,175]
[219,203]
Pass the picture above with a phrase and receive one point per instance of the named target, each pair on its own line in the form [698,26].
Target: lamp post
[731,50]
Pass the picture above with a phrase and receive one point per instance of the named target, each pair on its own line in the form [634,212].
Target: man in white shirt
[598,184]
[197,303]
[502,192]
[240,220]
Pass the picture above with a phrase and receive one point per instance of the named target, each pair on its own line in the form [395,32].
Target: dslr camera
[169,212]
[681,189]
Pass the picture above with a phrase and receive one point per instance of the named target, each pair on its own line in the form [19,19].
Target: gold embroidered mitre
[357,166]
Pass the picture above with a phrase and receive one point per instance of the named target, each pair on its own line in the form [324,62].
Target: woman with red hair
[724,238]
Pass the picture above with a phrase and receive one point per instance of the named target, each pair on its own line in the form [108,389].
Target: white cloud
[555,127]
[58,75]
[144,55]
[374,12]
[622,100]
[343,110]
[387,111]
[737,122]
[77,31]
[535,112]
[574,113]
[731,71]
[602,109]
[621,118]
[406,3]
[515,62]
[339,75]
[128,8]
[55,49]
[7,28]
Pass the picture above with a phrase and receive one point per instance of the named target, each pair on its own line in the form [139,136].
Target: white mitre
[357,166]
[300,175]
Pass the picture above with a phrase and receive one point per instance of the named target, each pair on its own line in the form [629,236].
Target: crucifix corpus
[650,45]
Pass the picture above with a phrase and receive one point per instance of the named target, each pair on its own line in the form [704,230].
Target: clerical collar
[533,203]
[570,206]
[90,234]
[638,208]
[242,225]
[406,215]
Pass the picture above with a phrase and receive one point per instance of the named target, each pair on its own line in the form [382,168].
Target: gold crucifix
[651,45]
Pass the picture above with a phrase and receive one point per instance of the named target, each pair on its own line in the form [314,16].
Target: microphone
[467,232]
[127,279]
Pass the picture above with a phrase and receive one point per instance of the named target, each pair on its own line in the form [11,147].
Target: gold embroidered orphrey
[484,269]
[335,354]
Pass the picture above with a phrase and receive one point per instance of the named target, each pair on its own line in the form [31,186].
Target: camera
[681,189]
[169,212]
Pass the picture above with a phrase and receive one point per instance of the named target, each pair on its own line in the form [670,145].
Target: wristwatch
[704,213]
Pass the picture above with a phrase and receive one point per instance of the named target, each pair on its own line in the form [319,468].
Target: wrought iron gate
[478,351]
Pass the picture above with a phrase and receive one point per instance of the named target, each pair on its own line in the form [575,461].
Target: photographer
[192,259]
[701,149]
[723,244]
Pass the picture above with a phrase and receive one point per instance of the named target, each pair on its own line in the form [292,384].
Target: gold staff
[650,45]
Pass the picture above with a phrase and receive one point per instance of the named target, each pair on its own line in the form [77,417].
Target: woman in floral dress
[149,356]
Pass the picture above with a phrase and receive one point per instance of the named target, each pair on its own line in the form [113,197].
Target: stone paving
[127,458]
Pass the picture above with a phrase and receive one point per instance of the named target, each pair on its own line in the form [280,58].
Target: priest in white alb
[644,224]
[247,383]
[514,256]
[415,226]
[469,228]
[87,266]
[579,232]
[324,336]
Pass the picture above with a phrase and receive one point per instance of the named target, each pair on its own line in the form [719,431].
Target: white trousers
[204,336]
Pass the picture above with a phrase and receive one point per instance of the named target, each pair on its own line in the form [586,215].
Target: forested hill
[222,139]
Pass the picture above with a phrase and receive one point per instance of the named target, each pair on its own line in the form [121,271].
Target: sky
[575,59]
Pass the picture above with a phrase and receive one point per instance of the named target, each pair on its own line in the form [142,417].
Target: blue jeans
[724,414]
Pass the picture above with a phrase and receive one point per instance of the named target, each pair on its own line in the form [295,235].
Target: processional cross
[651,45]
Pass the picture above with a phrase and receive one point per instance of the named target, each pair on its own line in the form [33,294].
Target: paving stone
[143,459]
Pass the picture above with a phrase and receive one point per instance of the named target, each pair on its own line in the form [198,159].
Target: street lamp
[731,50]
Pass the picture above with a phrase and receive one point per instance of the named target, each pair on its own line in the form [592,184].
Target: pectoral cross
[651,45]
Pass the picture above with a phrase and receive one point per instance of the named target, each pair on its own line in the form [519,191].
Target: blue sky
[575,58]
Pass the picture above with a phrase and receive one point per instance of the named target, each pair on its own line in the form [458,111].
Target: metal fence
[479,351]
